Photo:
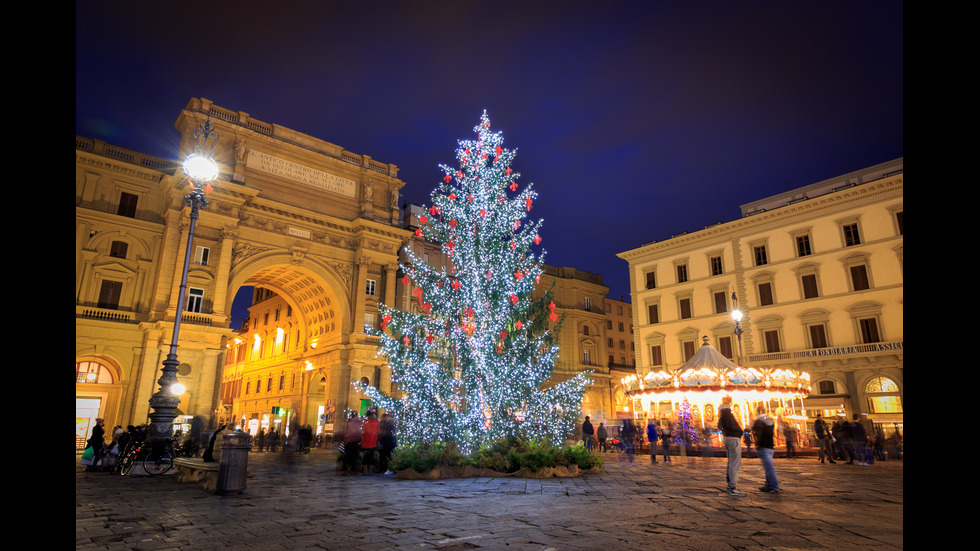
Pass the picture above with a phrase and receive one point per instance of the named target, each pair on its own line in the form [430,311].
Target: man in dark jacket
[587,433]
[823,439]
[731,433]
[859,436]
[763,430]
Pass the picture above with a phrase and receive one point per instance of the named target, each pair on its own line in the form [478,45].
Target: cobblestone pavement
[303,504]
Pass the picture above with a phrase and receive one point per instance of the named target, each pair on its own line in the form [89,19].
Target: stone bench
[195,469]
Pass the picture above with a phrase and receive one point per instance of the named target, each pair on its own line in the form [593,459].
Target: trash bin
[233,468]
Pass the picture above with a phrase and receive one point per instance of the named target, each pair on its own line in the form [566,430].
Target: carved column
[220,303]
[360,283]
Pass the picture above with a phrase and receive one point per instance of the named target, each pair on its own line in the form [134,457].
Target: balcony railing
[814,353]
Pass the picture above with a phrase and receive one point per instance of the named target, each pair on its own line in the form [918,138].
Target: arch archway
[295,357]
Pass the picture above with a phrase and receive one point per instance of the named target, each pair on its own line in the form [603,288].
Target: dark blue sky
[634,120]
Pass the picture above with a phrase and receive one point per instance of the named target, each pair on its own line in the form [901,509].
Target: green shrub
[506,456]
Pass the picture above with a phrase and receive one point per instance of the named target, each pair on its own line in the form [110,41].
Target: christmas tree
[471,367]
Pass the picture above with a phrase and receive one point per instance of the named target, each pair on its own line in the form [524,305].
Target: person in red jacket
[369,441]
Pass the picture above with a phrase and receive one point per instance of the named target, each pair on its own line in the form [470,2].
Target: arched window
[883,396]
[93,372]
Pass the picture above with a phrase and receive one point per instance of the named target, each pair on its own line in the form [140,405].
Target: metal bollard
[233,467]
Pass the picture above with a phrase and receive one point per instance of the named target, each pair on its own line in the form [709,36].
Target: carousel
[696,389]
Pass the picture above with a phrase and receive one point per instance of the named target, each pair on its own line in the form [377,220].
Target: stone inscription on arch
[300,173]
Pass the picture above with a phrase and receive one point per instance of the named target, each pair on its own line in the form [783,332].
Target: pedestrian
[860,438]
[879,445]
[790,433]
[731,433]
[665,431]
[352,443]
[369,441]
[763,430]
[652,438]
[628,432]
[260,439]
[847,439]
[272,439]
[97,443]
[747,437]
[588,431]
[386,437]
[602,435]
[823,439]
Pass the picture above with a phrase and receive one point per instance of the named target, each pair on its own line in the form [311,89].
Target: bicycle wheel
[128,462]
[158,462]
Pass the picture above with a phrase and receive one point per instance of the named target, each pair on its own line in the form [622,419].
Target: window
[368,322]
[765,294]
[621,328]
[268,386]
[371,287]
[725,347]
[622,344]
[109,294]
[118,249]
[587,357]
[248,387]
[656,356]
[721,302]
[609,342]
[619,310]
[851,235]
[883,396]
[681,273]
[772,340]
[689,350]
[201,255]
[716,268]
[803,245]
[653,313]
[127,205]
[92,373]
[859,278]
[588,304]
[585,329]
[818,336]
[761,258]
[282,382]
[826,387]
[685,308]
[809,282]
[195,300]
[869,330]
[651,280]
[900,223]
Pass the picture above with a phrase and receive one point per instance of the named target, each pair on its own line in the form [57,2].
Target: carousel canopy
[709,371]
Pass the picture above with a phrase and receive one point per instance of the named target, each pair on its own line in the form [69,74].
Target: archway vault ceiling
[310,295]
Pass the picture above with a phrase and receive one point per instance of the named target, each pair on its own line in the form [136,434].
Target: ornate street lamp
[200,169]
[737,316]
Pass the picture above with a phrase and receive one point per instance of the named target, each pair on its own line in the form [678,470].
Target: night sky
[634,120]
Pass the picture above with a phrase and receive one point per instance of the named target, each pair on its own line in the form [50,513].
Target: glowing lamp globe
[201,169]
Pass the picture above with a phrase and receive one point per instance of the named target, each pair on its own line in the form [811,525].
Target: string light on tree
[473,366]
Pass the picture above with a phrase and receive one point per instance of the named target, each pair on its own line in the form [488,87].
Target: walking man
[731,433]
[652,439]
[763,430]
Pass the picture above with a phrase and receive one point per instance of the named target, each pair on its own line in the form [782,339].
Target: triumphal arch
[311,229]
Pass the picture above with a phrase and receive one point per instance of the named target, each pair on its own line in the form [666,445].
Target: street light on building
[737,316]
[201,169]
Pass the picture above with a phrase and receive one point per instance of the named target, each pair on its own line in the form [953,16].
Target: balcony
[828,352]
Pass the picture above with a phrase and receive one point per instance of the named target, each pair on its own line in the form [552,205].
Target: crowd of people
[841,440]
[368,444]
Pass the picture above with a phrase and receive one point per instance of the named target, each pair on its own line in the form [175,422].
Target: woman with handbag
[97,443]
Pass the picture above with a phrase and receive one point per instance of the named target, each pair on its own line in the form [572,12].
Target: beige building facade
[315,225]
[818,274]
